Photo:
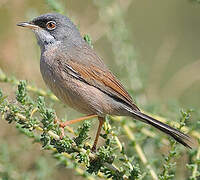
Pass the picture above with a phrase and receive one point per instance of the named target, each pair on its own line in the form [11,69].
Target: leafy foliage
[128,160]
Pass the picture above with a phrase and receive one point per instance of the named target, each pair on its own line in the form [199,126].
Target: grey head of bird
[53,28]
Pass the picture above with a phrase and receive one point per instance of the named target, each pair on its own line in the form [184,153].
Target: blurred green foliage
[153,46]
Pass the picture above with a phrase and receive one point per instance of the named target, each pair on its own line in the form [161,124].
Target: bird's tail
[177,135]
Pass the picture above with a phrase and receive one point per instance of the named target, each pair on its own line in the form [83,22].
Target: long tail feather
[177,135]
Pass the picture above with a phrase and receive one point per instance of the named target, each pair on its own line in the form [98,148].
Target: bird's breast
[61,83]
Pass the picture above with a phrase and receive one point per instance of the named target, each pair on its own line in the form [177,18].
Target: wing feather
[84,64]
[103,80]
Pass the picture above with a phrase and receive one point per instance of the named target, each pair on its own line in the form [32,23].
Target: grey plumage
[79,77]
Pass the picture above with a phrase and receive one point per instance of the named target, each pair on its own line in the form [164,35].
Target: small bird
[79,78]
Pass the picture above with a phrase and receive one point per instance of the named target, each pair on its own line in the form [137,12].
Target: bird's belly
[70,91]
[79,95]
[61,88]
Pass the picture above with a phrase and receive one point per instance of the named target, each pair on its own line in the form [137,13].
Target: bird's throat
[44,38]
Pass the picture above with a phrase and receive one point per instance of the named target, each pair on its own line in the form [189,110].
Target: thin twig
[112,167]
[196,164]
[140,152]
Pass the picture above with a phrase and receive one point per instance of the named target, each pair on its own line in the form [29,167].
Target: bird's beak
[28,25]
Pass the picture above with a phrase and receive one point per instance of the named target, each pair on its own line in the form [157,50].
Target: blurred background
[151,46]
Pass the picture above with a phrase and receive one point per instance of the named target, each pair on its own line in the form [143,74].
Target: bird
[77,75]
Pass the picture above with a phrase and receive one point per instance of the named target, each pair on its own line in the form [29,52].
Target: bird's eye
[51,25]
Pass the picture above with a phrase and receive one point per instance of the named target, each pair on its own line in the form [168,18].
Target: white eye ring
[51,25]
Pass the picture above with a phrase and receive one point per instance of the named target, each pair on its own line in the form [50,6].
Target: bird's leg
[64,124]
[76,120]
[101,121]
